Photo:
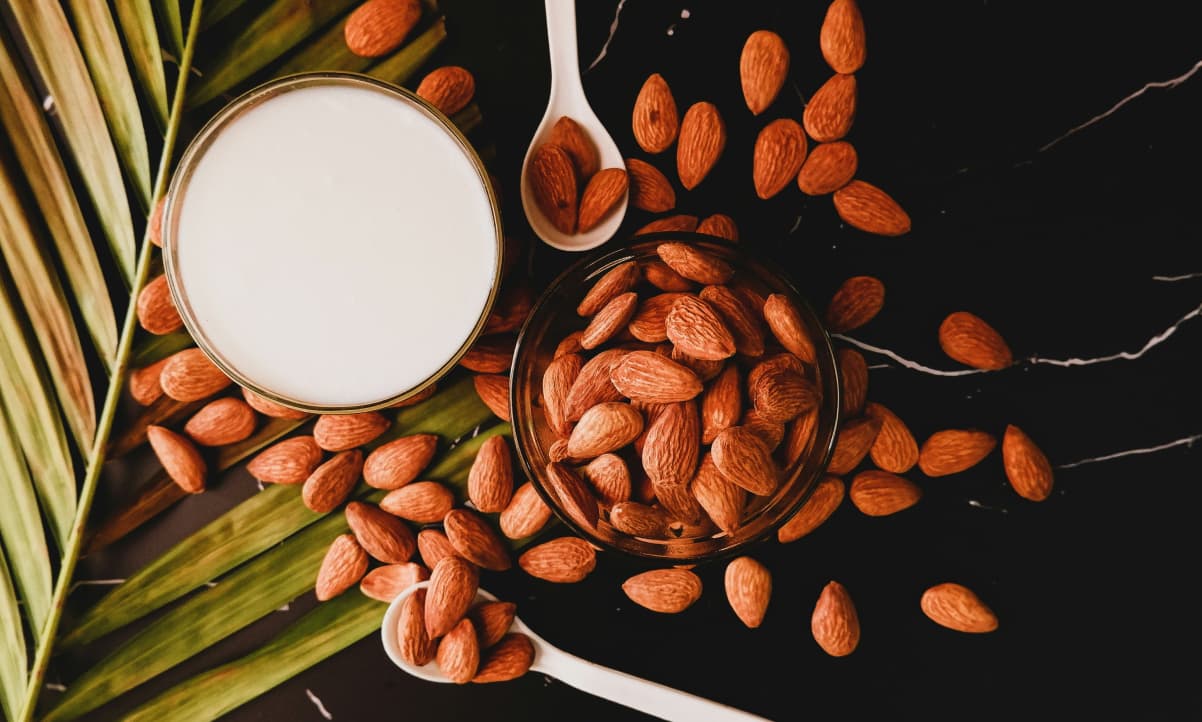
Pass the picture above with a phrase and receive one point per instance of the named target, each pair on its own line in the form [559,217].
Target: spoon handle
[634,692]
[561,40]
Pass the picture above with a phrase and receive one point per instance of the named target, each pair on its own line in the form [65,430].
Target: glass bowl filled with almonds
[676,399]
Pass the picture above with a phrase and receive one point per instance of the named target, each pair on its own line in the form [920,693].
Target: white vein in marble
[1174,279]
[1187,441]
[613,28]
[321,708]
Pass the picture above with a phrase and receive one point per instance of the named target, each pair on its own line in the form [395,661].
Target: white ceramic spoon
[567,98]
[643,695]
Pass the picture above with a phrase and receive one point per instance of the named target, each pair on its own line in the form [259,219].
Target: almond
[386,583]
[722,500]
[705,369]
[719,225]
[490,480]
[763,67]
[220,422]
[414,399]
[344,565]
[569,344]
[743,323]
[458,653]
[650,321]
[267,407]
[610,320]
[156,311]
[954,450]
[616,281]
[660,275]
[489,355]
[858,300]
[880,493]
[189,375]
[509,659]
[415,644]
[799,437]
[593,385]
[567,134]
[672,445]
[557,382]
[655,120]
[381,534]
[680,222]
[572,493]
[968,339]
[526,514]
[895,449]
[433,546]
[694,264]
[609,477]
[647,376]
[564,560]
[346,431]
[828,167]
[864,206]
[377,27]
[853,443]
[829,114]
[780,149]
[785,322]
[287,462]
[823,502]
[154,225]
[449,88]
[423,502]
[492,620]
[635,519]
[667,591]
[605,427]
[144,384]
[398,462]
[721,404]
[834,624]
[602,195]
[179,458]
[510,311]
[493,390]
[957,607]
[331,483]
[770,432]
[681,506]
[702,140]
[842,37]
[694,327]
[650,189]
[853,373]
[475,540]
[452,591]
[744,459]
[1026,467]
[782,395]
[552,178]
[748,589]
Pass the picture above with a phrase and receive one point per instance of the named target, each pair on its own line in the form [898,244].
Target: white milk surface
[336,245]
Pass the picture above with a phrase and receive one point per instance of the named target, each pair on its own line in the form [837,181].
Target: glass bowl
[554,317]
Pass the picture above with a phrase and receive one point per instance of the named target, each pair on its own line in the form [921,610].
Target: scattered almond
[650,190]
[853,373]
[763,68]
[858,300]
[853,443]
[968,339]
[954,450]
[179,458]
[267,407]
[526,514]
[154,225]
[220,422]
[655,120]
[880,493]
[377,27]
[667,591]
[449,88]
[398,462]
[1026,467]
[510,311]
[386,583]
[382,535]
[490,480]
[423,502]
[493,390]
[895,449]
[834,623]
[332,482]
[565,560]
[509,659]
[156,311]
[823,502]
[189,375]
[344,565]
[452,591]
[864,206]
[828,167]
[475,540]
[957,607]
[489,355]
[432,546]
[842,37]
[287,462]
[719,225]
[780,149]
[702,140]
[144,384]
[829,114]
[346,431]
[748,590]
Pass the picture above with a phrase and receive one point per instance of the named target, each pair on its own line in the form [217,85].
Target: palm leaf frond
[21,529]
[142,37]
[12,646]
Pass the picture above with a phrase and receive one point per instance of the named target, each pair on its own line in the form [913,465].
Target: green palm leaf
[12,646]
[142,39]
[21,528]
[218,10]
[168,12]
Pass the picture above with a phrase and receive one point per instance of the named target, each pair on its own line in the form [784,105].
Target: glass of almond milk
[332,242]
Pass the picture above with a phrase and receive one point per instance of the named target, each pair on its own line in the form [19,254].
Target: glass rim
[196,150]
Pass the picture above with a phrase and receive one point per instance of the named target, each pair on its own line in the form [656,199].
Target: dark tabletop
[1047,153]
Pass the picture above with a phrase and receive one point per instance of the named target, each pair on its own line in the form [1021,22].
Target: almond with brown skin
[783,361]
[694,264]
[694,327]
[398,462]
[799,437]
[782,395]
[864,206]
[785,322]
[346,431]
[655,120]
[660,275]
[220,422]
[853,443]
[603,193]
[853,373]
[331,483]
[770,432]
[954,450]
[267,407]
[1026,466]
[722,500]
[650,321]
[377,27]
[681,506]
[287,462]
[565,560]
[156,311]
[649,377]
[610,320]
[490,480]
[719,225]
[449,88]
[681,222]
[433,546]
[452,591]
[415,644]
[616,281]
[557,384]
[489,355]
[569,344]
[858,300]
[344,565]
[957,607]
[416,398]
[475,540]
[763,67]
[895,449]
[828,167]
[842,37]
[552,178]
[144,384]
[829,114]
[780,149]
[743,322]
[834,623]
[593,385]
[458,653]
[189,375]
[667,591]
[672,445]
[492,620]
[748,589]
[650,189]
[880,493]
[493,390]
[818,508]
[572,493]
[382,535]
[179,458]
[702,140]
[966,338]
[744,459]
[386,583]
[635,519]
[605,427]
[509,659]
[154,225]
[526,514]
[567,134]
[721,404]
[423,502]
[609,477]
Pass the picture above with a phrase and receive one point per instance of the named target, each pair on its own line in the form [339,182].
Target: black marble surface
[1047,154]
